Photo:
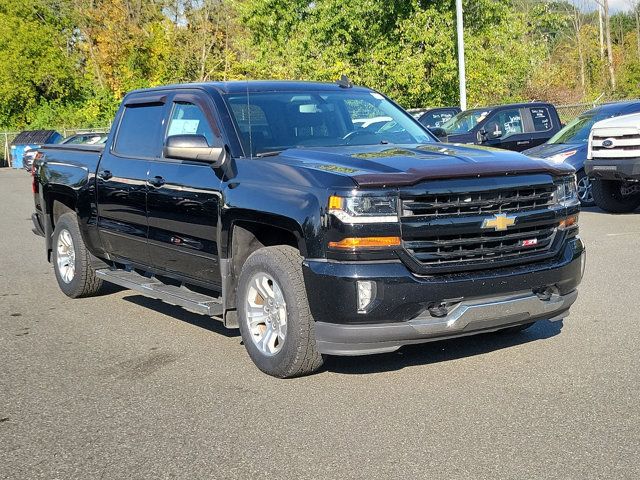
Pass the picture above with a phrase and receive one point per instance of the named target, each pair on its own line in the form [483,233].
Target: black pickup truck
[263,205]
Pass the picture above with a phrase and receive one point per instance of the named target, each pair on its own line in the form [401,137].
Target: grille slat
[482,251]
[445,248]
[522,199]
[441,242]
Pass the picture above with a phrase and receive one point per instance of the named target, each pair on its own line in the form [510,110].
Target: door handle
[156,181]
[105,174]
[524,142]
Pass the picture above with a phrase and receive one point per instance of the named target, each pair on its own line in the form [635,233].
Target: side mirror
[481,135]
[194,147]
[440,133]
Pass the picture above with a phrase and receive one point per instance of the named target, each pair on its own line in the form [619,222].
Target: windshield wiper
[271,153]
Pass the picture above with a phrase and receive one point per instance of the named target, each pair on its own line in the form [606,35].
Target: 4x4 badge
[500,222]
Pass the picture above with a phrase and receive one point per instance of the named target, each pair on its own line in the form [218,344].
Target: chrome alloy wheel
[266,314]
[66,256]
[584,190]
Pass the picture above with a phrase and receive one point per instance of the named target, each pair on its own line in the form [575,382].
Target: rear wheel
[615,196]
[275,321]
[72,261]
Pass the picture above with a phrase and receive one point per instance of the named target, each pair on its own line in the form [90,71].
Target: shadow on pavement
[602,212]
[441,351]
[410,355]
[180,313]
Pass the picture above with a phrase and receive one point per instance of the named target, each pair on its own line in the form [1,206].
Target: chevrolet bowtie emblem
[499,222]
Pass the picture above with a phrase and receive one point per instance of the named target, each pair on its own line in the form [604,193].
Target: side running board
[154,288]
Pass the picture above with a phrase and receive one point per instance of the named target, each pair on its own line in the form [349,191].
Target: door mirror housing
[440,133]
[194,147]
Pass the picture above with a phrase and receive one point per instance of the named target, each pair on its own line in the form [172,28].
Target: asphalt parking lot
[121,386]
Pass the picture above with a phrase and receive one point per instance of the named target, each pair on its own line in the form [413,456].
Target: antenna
[344,82]
[249,120]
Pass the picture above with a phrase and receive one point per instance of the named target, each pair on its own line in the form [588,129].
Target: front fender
[287,208]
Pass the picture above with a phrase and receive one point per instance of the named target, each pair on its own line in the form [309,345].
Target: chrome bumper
[465,318]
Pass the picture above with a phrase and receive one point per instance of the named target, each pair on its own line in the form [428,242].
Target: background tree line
[69,62]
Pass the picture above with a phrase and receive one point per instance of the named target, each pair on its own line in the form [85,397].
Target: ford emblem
[608,143]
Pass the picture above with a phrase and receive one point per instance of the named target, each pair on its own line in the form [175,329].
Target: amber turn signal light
[353,243]
[568,222]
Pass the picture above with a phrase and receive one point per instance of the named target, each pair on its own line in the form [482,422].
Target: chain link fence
[6,138]
[569,112]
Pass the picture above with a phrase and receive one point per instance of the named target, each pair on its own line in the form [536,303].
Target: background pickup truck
[613,160]
[516,127]
[263,205]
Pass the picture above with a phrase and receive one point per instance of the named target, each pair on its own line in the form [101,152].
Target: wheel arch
[244,235]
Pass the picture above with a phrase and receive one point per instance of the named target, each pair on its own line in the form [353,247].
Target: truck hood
[550,150]
[386,165]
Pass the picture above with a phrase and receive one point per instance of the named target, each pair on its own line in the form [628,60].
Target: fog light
[366,294]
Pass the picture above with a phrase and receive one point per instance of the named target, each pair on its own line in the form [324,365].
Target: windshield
[275,121]
[465,121]
[578,129]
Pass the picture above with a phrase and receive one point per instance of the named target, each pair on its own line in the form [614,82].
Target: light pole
[461,72]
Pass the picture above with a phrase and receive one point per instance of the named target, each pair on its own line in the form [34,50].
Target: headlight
[362,209]
[567,192]
[561,157]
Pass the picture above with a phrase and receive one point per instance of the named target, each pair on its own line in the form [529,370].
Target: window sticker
[377,96]
[183,127]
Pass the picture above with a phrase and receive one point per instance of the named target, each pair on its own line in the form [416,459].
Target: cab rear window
[541,119]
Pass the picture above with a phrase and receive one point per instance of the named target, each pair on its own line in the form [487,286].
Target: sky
[614,5]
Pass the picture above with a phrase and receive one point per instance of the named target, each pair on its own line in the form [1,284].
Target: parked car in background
[77,139]
[30,140]
[89,138]
[436,117]
[570,144]
[512,127]
[613,160]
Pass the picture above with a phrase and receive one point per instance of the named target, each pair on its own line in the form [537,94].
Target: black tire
[298,354]
[84,282]
[516,328]
[584,182]
[608,197]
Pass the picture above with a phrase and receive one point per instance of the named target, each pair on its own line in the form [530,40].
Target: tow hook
[546,293]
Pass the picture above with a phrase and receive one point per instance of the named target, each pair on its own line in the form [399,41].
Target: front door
[122,179]
[505,129]
[184,198]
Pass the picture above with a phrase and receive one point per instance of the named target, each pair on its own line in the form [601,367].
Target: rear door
[122,178]
[505,129]
[184,198]
[541,124]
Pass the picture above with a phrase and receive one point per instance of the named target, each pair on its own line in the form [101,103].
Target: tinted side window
[505,123]
[189,119]
[541,119]
[437,119]
[139,131]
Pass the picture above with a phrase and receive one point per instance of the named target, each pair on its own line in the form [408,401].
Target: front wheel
[612,196]
[585,193]
[275,320]
[72,261]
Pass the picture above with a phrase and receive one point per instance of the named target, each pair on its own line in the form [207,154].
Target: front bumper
[611,169]
[477,302]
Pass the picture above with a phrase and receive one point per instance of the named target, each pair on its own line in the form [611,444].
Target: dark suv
[512,127]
